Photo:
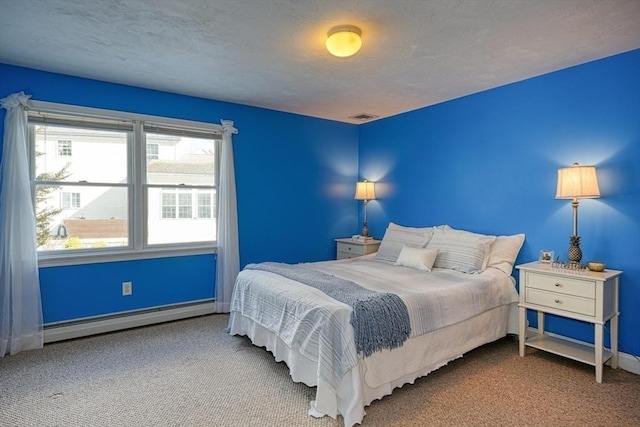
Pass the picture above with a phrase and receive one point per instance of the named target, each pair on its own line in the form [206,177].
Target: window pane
[164,226]
[181,160]
[71,217]
[77,154]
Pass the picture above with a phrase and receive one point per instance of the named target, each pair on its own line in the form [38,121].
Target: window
[97,175]
[185,168]
[131,184]
[204,205]
[169,205]
[64,148]
[182,204]
[152,151]
[176,204]
[69,200]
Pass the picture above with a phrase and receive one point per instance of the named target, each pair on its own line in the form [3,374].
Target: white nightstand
[587,296]
[349,248]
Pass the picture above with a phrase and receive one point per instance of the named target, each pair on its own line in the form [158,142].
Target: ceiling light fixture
[344,41]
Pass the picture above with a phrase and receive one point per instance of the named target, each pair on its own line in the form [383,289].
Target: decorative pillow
[460,250]
[418,258]
[504,252]
[394,240]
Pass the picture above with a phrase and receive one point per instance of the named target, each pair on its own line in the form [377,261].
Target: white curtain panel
[20,303]
[228,264]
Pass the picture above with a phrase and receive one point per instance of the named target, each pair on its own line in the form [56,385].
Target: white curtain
[228,264]
[20,303]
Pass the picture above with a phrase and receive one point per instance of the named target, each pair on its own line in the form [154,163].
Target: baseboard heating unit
[125,320]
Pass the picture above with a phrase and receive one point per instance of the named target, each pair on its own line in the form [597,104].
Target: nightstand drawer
[351,248]
[346,255]
[580,288]
[586,306]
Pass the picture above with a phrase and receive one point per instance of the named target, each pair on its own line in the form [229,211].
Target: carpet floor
[192,373]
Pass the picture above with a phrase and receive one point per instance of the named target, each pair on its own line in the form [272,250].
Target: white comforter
[318,327]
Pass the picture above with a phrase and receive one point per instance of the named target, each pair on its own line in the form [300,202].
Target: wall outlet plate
[127,288]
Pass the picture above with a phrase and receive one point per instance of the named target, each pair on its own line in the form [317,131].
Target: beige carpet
[192,373]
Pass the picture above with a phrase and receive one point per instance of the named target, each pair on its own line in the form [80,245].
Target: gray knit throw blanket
[380,320]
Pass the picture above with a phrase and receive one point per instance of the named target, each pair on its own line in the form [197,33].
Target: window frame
[137,195]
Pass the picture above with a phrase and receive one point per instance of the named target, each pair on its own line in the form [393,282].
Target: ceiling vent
[363,117]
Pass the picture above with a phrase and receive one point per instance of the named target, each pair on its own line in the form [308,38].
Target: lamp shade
[344,41]
[577,182]
[365,190]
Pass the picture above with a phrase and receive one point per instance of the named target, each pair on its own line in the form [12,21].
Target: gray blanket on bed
[380,320]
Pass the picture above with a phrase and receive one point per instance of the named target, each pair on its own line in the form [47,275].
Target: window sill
[125,255]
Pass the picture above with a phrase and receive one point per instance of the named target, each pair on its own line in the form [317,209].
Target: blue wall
[294,174]
[487,163]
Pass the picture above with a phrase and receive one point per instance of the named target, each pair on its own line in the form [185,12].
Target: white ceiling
[270,53]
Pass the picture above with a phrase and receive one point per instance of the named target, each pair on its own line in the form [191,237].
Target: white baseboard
[626,361]
[126,320]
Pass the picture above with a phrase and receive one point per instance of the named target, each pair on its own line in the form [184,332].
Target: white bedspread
[317,326]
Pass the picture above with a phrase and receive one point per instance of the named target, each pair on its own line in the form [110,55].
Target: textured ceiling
[270,53]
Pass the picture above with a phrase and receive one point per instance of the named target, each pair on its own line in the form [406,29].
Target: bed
[456,293]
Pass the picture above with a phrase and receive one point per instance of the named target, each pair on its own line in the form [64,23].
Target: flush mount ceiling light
[344,41]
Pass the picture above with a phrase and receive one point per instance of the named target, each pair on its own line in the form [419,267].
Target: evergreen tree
[45,215]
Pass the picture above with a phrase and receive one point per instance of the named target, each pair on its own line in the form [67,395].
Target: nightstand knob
[557,285]
[557,301]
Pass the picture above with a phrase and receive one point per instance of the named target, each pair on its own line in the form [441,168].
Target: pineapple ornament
[575,253]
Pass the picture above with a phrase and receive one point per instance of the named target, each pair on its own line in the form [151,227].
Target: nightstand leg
[613,335]
[613,324]
[598,348]
[540,322]
[522,329]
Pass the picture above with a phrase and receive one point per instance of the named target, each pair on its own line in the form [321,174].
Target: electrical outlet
[127,288]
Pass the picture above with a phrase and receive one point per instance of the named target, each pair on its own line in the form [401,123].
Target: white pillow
[394,240]
[504,251]
[418,258]
[414,229]
[394,226]
[461,250]
[472,236]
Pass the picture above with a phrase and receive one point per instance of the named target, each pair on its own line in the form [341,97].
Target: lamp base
[365,229]
[575,253]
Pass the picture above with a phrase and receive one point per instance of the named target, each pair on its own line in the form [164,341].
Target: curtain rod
[57,108]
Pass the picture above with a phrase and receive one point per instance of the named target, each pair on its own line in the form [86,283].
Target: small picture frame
[546,257]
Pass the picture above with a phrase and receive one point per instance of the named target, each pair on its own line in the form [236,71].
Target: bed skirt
[376,376]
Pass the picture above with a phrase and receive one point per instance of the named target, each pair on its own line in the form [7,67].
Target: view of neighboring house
[83,182]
